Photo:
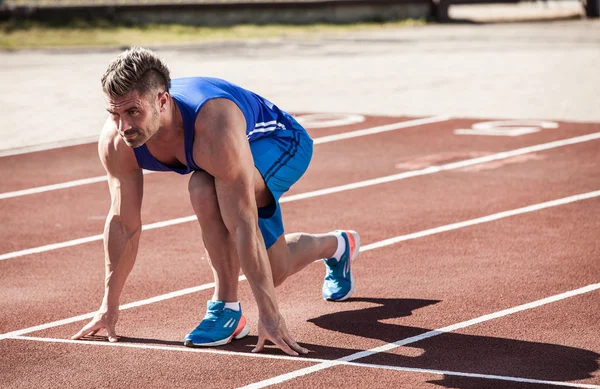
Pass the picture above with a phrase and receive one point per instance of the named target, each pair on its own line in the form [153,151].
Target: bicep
[227,157]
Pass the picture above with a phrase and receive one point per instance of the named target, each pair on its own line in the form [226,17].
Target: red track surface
[404,289]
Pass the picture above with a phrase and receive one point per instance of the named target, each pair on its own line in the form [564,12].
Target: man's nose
[124,126]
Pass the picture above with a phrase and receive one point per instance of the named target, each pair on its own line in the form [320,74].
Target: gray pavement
[541,70]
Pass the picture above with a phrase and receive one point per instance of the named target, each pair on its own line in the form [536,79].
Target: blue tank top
[263,118]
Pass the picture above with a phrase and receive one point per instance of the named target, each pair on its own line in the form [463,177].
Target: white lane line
[62,185]
[325,139]
[380,129]
[123,307]
[474,375]
[403,342]
[47,188]
[167,348]
[446,167]
[303,359]
[93,238]
[93,139]
[375,245]
[335,189]
[483,219]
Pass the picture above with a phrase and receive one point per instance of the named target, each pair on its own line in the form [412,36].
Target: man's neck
[171,128]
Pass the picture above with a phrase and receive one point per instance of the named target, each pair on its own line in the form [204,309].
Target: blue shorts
[281,158]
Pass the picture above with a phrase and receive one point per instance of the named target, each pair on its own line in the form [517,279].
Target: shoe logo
[229,323]
[346,267]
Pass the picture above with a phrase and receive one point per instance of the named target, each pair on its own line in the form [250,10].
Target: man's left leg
[281,162]
[293,252]
[224,319]
[216,328]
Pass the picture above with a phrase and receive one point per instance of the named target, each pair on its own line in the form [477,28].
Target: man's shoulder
[217,113]
[109,131]
[110,142]
[220,128]
[115,154]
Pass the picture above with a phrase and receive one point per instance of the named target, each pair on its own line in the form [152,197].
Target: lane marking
[93,238]
[472,375]
[507,127]
[47,188]
[336,189]
[123,307]
[308,121]
[403,342]
[303,359]
[483,219]
[62,185]
[372,246]
[167,348]
[380,129]
[325,139]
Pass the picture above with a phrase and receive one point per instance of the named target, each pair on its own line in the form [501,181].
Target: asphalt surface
[536,70]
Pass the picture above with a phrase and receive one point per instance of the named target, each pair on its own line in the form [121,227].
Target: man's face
[136,117]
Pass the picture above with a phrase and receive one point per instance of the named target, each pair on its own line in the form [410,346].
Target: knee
[280,270]
[201,188]
[279,278]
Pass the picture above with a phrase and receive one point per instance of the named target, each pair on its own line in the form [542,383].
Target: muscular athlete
[243,153]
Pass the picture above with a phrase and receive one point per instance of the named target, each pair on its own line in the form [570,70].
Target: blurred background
[464,58]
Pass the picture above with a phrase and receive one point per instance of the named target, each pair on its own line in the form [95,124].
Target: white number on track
[507,128]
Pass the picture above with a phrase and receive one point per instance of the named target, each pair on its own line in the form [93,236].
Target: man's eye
[133,112]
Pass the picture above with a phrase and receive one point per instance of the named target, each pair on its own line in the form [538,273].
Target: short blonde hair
[136,69]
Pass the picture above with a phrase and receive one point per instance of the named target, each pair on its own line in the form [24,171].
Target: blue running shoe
[219,326]
[339,282]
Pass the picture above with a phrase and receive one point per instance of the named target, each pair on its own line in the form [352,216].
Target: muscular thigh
[280,160]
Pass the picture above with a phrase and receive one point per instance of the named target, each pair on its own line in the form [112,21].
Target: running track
[480,267]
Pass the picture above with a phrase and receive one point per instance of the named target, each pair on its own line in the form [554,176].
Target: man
[244,153]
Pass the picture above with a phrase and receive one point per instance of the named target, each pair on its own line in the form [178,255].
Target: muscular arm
[122,228]
[225,154]
[123,224]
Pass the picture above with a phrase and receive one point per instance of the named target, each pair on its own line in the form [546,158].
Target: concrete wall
[349,11]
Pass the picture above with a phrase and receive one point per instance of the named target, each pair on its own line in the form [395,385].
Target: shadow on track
[357,322]
[460,352]
[452,352]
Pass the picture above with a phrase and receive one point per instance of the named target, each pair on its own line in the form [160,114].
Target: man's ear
[163,97]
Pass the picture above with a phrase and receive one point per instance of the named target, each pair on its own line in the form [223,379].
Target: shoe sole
[354,255]
[244,331]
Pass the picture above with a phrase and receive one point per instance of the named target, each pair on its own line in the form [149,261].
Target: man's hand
[104,320]
[275,330]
